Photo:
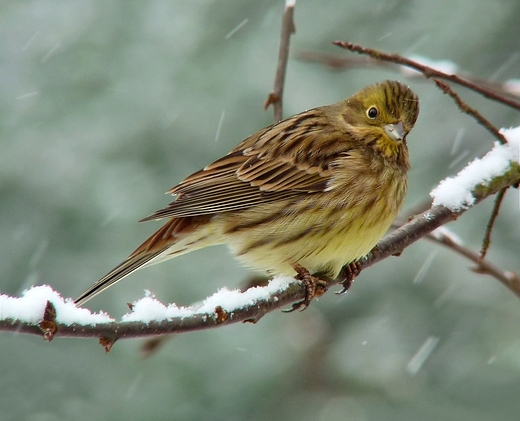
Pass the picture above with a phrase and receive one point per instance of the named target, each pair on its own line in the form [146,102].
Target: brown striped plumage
[318,190]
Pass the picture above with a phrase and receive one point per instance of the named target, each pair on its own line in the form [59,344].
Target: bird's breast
[320,231]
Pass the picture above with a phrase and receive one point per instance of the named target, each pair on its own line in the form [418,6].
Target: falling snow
[422,355]
[424,268]
[236,29]
[219,126]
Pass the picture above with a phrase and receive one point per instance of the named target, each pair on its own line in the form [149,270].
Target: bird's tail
[171,240]
[119,272]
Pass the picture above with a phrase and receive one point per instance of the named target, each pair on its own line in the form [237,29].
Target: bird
[302,197]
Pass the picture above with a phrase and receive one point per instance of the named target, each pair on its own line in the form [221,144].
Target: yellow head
[381,116]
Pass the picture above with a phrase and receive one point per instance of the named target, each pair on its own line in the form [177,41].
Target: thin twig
[427,71]
[465,108]
[489,227]
[339,62]
[443,237]
[288,28]
[510,279]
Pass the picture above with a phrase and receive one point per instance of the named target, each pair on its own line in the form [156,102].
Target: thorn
[255,319]
[107,344]
[272,98]
[222,315]
[48,324]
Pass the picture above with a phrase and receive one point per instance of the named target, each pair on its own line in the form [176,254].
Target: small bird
[304,196]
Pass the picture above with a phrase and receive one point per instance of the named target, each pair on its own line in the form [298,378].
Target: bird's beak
[395,131]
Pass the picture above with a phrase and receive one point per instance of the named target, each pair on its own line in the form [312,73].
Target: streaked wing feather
[225,166]
[280,161]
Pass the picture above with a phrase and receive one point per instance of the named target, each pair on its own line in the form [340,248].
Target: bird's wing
[280,161]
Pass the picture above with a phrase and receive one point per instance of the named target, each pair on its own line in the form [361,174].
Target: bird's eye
[372,112]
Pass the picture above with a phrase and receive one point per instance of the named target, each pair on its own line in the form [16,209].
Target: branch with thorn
[259,301]
[253,310]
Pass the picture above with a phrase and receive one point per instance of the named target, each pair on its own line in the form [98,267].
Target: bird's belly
[321,243]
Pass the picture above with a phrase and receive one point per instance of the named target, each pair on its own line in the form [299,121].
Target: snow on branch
[457,192]
[30,307]
[44,312]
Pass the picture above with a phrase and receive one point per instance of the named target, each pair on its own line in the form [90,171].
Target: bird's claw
[314,287]
[348,273]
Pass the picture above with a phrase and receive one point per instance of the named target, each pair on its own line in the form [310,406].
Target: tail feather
[172,239]
[131,264]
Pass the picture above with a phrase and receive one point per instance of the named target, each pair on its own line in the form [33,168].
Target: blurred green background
[105,105]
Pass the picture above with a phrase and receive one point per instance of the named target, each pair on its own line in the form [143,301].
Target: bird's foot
[314,287]
[348,273]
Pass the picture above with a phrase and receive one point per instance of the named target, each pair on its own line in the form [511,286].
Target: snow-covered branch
[42,311]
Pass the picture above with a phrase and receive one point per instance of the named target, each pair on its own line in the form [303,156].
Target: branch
[338,62]
[228,307]
[448,239]
[288,28]
[489,227]
[428,72]
[510,279]
[465,108]
[51,316]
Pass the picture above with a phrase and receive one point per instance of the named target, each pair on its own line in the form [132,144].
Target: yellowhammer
[308,194]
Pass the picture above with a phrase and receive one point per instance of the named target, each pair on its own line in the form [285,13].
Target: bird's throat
[388,147]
